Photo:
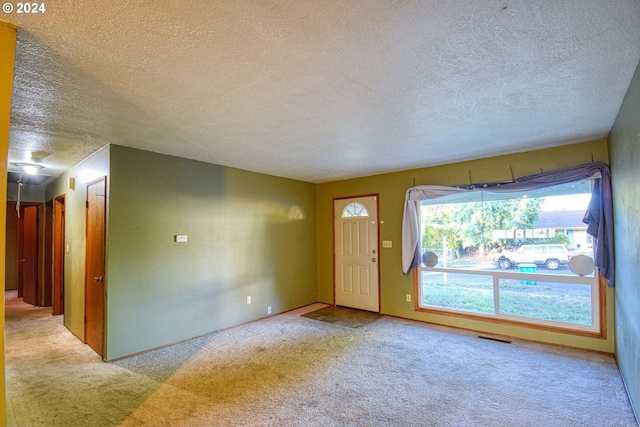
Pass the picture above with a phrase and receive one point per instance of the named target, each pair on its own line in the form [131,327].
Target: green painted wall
[624,145]
[392,187]
[93,167]
[248,235]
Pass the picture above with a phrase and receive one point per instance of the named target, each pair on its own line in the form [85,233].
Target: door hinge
[87,204]
[85,320]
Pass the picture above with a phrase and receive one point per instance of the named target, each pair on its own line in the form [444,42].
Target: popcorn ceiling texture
[319,90]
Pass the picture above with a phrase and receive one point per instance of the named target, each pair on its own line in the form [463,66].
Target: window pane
[355,210]
[467,292]
[560,302]
[488,231]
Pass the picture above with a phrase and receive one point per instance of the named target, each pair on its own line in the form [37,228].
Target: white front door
[356,252]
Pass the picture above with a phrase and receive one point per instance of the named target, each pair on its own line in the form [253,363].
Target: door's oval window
[355,210]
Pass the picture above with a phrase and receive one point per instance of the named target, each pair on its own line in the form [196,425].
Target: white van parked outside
[552,256]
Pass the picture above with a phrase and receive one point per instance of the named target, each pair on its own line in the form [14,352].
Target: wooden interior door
[11,248]
[29,252]
[58,255]
[46,292]
[95,257]
[20,250]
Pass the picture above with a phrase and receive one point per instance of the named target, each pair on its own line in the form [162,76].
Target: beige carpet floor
[289,370]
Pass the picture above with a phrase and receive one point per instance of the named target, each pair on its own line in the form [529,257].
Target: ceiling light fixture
[29,168]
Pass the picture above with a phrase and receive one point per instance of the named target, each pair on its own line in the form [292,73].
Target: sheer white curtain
[411,223]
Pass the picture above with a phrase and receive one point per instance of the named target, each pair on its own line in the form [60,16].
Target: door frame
[58,254]
[20,247]
[88,279]
[333,238]
[47,280]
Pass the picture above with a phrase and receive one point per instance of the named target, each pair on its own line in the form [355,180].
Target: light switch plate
[180,238]
[387,244]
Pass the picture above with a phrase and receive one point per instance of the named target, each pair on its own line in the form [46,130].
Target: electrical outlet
[249,300]
[408,297]
[269,310]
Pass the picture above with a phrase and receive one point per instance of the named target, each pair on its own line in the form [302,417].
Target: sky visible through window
[567,202]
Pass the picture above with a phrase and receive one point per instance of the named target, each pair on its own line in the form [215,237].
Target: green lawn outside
[543,300]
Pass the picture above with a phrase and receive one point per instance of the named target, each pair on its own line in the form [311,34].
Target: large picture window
[526,255]
[507,255]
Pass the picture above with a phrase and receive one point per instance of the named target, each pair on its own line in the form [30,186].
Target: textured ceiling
[318,90]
